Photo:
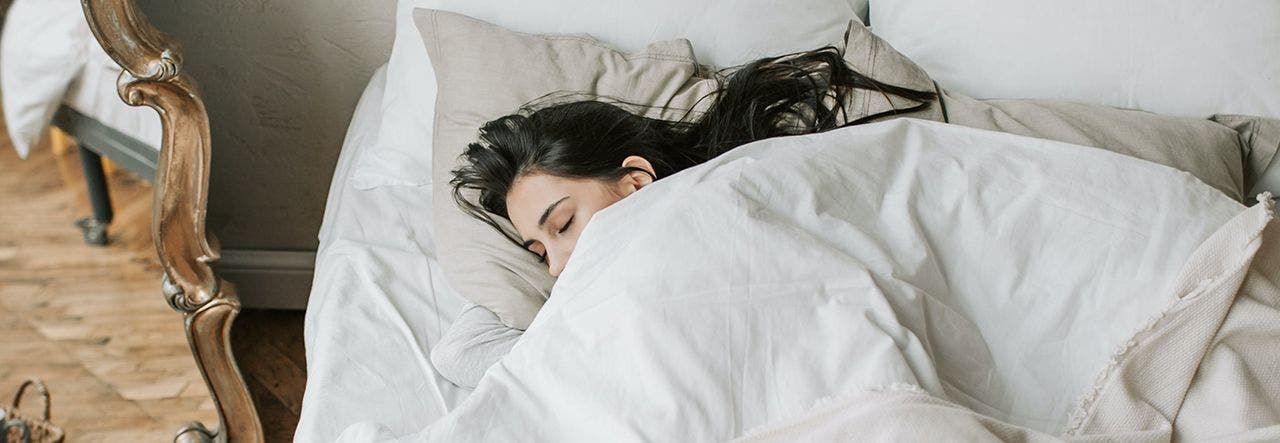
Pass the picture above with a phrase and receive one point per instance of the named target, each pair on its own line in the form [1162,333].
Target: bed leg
[95,228]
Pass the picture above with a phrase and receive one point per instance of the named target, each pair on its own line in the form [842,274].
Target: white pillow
[727,32]
[1189,58]
[42,50]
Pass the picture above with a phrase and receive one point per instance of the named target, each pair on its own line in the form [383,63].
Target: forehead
[536,189]
[531,194]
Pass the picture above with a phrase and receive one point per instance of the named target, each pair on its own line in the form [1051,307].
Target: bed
[380,301]
[547,396]
[55,73]
[368,263]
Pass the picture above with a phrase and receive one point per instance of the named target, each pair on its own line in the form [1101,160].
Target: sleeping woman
[549,168]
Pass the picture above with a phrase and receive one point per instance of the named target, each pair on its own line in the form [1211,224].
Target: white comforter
[993,271]
[48,57]
[42,49]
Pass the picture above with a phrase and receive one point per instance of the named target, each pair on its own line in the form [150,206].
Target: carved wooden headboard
[154,77]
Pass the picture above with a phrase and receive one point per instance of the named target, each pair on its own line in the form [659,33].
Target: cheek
[611,196]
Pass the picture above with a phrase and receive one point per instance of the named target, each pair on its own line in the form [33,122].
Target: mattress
[378,302]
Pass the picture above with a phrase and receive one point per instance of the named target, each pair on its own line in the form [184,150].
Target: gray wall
[280,79]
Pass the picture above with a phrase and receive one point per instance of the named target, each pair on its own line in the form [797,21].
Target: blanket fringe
[1267,201]
[1084,407]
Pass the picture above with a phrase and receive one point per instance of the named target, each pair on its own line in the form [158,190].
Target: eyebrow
[543,220]
[547,213]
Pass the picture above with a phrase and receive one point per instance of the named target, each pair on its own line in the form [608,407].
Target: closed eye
[566,226]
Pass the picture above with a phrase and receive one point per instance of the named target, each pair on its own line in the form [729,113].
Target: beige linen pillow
[1206,149]
[1259,141]
[484,72]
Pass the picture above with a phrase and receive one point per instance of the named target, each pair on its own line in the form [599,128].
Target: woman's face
[550,212]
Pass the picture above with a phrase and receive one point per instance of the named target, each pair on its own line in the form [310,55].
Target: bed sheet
[378,302]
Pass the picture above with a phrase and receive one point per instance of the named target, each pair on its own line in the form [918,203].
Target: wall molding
[268,259]
[269,279]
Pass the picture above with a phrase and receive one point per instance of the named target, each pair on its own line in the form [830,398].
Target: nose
[556,261]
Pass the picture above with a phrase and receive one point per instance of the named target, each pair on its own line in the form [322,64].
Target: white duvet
[994,271]
[49,57]
[42,50]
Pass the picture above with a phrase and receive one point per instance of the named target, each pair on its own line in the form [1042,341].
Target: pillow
[1208,150]
[730,32]
[1260,140]
[473,62]
[1191,58]
[42,50]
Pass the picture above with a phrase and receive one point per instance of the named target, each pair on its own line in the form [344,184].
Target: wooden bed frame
[153,77]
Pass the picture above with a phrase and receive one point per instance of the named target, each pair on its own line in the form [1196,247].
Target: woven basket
[17,425]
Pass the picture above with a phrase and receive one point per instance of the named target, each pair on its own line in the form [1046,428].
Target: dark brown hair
[792,94]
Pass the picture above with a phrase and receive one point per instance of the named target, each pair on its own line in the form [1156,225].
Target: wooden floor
[90,321]
[268,345]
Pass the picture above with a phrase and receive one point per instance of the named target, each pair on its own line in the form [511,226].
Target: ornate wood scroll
[153,77]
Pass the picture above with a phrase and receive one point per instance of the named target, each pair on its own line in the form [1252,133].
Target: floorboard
[90,321]
[268,346]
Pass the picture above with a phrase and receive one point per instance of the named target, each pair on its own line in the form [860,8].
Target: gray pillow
[1207,150]
[1259,140]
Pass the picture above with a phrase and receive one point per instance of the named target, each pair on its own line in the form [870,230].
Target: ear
[637,178]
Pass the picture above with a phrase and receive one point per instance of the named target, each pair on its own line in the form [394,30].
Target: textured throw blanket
[893,281]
